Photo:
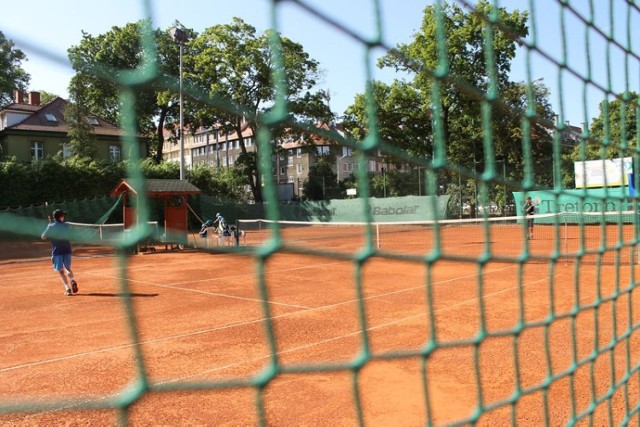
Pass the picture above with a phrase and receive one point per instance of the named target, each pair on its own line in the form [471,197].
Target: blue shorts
[61,261]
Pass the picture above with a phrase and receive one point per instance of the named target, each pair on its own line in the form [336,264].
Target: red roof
[158,187]
[38,120]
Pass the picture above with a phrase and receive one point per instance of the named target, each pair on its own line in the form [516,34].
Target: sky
[44,30]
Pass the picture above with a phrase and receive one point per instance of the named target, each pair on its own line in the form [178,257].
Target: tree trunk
[160,134]
[254,179]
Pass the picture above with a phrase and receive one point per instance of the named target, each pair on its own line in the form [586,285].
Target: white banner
[598,173]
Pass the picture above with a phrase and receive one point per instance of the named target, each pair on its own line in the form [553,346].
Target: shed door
[175,215]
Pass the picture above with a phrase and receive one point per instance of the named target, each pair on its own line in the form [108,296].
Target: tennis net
[107,237]
[592,237]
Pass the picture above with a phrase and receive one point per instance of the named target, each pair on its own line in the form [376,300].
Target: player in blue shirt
[56,232]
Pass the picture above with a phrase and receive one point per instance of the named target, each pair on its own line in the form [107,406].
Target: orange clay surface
[433,342]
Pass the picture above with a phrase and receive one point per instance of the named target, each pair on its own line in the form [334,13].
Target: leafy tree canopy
[104,60]
[12,75]
[614,132]
[233,67]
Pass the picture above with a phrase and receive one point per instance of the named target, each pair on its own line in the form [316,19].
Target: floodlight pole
[384,182]
[180,36]
[181,122]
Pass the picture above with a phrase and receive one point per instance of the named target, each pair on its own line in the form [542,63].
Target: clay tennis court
[404,340]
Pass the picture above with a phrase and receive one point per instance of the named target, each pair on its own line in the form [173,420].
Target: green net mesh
[509,359]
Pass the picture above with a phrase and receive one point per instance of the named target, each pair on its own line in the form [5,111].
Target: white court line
[303,347]
[228,277]
[197,291]
[284,270]
[242,324]
[340,337]
[49,275]
[299,306]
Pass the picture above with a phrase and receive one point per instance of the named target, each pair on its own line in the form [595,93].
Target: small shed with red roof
[174,194]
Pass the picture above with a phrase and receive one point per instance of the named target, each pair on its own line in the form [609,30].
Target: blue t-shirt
[58,229]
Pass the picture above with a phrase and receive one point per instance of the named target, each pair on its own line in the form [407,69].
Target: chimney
[34,98]
[18,96]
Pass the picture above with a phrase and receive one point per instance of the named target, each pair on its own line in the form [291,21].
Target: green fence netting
[479,135]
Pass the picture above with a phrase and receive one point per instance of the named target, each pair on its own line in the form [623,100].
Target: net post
[566,240]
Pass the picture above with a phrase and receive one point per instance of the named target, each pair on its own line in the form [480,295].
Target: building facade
[31,132]
[291,160]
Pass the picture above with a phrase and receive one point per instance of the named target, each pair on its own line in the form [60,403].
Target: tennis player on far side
[61,250]
[529,210]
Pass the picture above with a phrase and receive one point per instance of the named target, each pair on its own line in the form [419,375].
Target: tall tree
[466,65]
[400,114]
[12,75]
[614,132]
[46,97]
[81,133]
[100,61]
[233,63]
[322,181]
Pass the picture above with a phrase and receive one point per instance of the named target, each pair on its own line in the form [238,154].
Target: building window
[290,161]
[299,169]
[347,152]
[93,121]
[114,153]
[372,165]
[290,178]
[323,150]
[66,151]
[299,152]
[283,170]
[51,117]
[37,151]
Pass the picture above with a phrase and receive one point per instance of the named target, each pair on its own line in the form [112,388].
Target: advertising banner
[584,200]
[390,209]
[600,173]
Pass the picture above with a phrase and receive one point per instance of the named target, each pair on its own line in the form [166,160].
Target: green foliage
[233,65]
[164,170]
[224,183]
[400,117]
[52,180]
[81,133]
[392,183]
[100,60]
[12,75]
[405,111]
[321,184]
[47,97]
[614,133]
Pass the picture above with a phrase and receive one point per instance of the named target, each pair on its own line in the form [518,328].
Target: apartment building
[291,160]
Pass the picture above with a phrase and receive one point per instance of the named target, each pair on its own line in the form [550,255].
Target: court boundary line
[369,328]
[219,328]
[255,359]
